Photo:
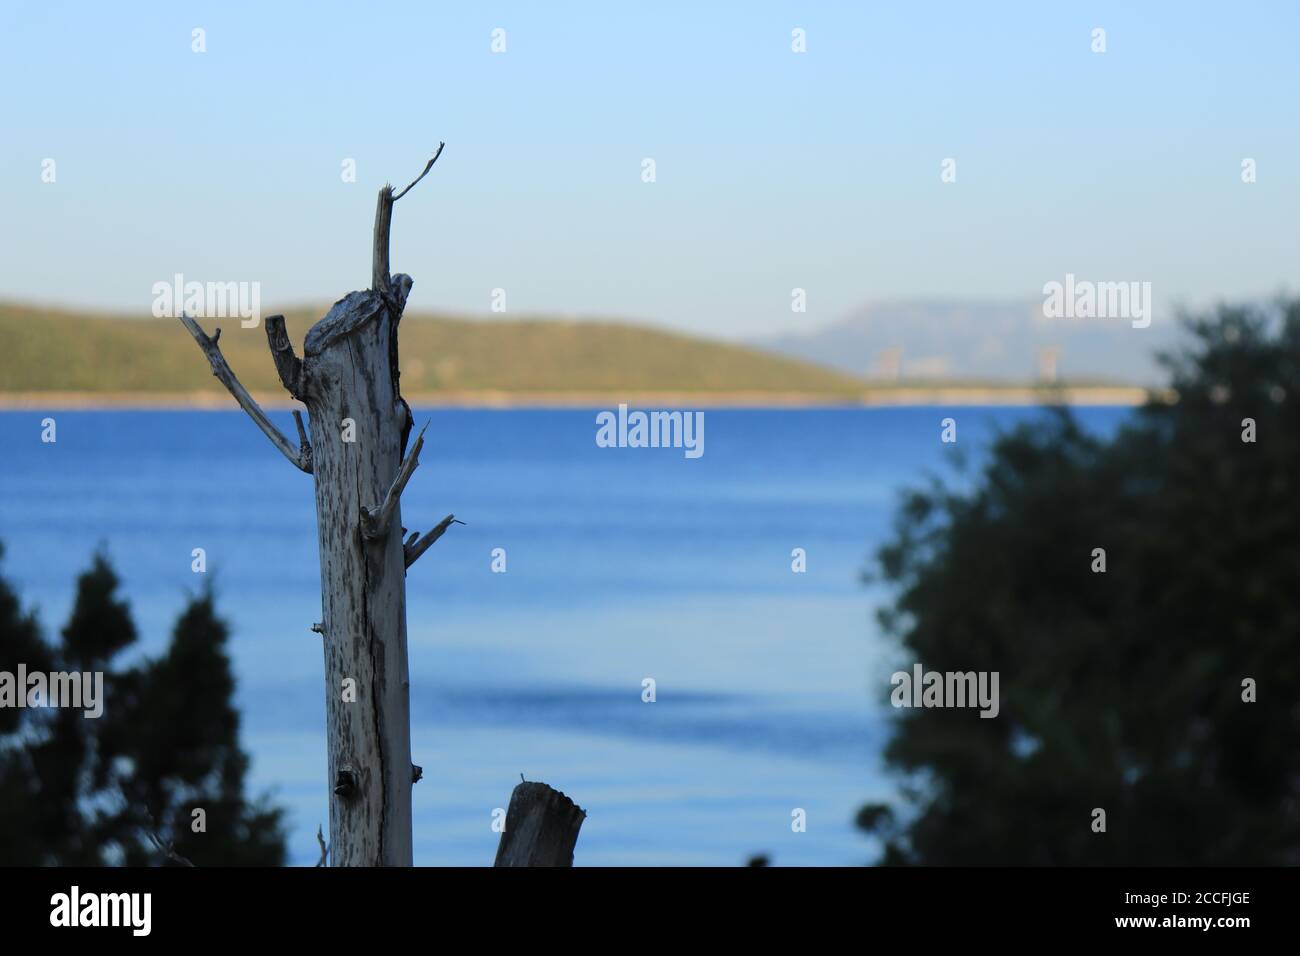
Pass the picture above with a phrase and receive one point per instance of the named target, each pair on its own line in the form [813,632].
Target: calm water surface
[622,564]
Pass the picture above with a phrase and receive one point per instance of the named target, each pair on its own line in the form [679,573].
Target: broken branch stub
[542,827]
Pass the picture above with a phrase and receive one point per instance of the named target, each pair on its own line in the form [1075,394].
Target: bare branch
[427,166]
[222,371]
[324,850]
[383,226]
[374,524]
[168,850]
[415,547]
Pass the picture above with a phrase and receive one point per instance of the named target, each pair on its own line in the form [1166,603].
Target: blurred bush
[82,791]
[1120,690]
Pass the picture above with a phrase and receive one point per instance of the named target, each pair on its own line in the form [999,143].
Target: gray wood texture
[542,827]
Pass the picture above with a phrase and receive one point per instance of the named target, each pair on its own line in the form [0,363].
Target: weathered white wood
[349,371]
[347,374]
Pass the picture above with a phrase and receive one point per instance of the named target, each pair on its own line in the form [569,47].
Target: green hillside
[49,350]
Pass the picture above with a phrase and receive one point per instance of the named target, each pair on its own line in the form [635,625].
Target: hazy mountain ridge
[994,341]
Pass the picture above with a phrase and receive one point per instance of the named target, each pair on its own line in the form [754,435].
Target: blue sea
[621,565]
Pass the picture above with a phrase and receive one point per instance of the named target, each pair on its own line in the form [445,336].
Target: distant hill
[979,341]
[60,351]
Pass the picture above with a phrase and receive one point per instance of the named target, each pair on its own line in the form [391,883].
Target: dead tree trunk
[348,379]
[542,827]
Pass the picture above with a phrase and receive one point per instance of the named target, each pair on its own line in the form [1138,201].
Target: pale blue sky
[775,169]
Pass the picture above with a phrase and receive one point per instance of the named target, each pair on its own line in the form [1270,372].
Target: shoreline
[884,397]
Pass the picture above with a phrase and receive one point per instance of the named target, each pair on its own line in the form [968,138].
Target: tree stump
[542,827]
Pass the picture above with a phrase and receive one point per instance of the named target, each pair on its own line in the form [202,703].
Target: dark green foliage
[91,791]
[20,642]
[1120,690]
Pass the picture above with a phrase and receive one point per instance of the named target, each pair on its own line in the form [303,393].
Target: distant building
[889,364]
[1047,358]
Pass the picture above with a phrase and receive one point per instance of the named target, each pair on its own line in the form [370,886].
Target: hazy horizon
[775,170]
